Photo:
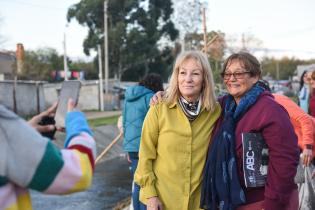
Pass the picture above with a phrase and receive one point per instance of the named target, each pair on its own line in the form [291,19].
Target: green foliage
[286,67]
[39,64]
[134,33]
[216,70]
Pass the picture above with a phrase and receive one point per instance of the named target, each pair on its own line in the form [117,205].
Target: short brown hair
[247,60]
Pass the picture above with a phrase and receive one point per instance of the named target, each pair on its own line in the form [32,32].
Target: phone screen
[69,89]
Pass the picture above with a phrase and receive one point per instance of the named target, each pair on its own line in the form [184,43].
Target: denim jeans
[137,205]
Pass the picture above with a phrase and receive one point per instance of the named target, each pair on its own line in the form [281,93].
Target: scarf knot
[190,109]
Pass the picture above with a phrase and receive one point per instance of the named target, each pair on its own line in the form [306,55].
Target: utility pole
[65,63]
[100,76]
[106,46]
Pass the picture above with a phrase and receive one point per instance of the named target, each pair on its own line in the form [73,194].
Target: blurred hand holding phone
[44,122]
[69,90]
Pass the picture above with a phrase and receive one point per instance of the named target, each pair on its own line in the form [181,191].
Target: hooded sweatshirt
[137,104]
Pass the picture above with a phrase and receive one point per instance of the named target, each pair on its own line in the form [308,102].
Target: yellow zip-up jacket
[172,155]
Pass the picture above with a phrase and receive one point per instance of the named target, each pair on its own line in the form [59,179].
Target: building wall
[33,97]
[29,96]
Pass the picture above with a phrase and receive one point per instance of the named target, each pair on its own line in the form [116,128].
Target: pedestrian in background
[136,106]
[304,92]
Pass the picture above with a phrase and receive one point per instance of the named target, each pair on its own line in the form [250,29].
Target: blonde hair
[207,92]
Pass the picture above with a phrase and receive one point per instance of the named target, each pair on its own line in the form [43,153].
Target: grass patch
[103,121]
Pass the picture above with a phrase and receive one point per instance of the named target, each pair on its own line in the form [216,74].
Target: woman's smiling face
[190,79]
[238,80]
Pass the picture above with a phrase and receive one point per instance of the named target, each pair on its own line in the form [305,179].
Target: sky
[284,27]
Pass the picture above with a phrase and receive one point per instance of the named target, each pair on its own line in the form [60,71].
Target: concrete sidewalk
[100,114]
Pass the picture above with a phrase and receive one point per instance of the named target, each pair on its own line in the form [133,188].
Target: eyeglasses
[236,75]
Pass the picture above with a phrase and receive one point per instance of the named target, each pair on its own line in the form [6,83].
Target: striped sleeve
[77,171]
[34,162]
[78,160]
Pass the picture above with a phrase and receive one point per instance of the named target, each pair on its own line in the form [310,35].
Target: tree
[286,67]
[190,26]
[136,29]
[39,64]
[215,48]
[191,21]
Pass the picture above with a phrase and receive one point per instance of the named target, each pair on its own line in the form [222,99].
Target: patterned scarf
[190,109]
[221,187]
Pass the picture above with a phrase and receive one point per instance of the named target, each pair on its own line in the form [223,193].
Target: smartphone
[69,89]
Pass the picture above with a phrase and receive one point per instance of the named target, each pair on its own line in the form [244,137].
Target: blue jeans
[137,205]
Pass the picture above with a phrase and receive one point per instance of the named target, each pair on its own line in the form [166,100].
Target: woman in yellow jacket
[175,137]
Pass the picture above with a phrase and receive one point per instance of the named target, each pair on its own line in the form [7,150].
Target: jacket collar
[174,104]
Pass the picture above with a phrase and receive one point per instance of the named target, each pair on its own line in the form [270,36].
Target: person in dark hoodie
[136,106]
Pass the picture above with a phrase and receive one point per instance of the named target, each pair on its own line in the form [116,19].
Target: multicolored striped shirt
[30,161]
